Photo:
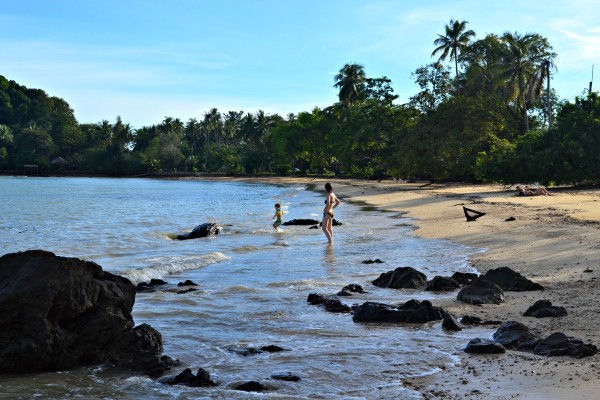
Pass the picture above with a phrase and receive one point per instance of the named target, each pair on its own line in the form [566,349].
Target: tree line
[491,115]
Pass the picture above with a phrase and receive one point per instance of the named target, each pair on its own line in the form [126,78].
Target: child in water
[278,216]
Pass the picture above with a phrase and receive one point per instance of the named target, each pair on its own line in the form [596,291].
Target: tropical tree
[453,42]
[349,81]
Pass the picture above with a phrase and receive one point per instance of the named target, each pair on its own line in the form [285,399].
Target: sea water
[253,285]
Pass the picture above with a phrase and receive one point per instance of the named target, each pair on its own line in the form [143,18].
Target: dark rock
[510,280]
[375,261]
[58,313]
[442,284]
[545,309]
[331,303]
[272,348]
[401,277]
[187,378]
[244,351]
[150,287]
[349,289]
[464,278]
[559,344]
[251,386]
[412,311]
[187,283]
[513,334]
[481,292]
[301,222]
[286,376]
[187,290]
[469,320]
[450,323]
[484,346]
[200,231]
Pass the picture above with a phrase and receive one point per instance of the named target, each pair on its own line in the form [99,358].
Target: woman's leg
[326,227]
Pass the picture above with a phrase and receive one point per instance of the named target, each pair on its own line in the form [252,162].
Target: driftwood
[476,214]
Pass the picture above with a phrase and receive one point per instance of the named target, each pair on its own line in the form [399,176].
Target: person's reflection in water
[329,254]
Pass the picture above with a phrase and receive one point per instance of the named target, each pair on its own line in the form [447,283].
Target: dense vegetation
[491,116]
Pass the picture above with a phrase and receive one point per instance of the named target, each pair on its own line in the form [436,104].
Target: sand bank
[553,240]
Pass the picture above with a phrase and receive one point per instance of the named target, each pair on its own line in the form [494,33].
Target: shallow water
[253,285]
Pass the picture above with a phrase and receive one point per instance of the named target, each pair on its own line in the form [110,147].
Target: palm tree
[350,80]
[522,58]
[453,42]
[540,77]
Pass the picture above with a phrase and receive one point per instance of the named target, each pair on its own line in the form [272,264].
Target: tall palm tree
[350,80]
[522,57]
[540,77]
[453,42]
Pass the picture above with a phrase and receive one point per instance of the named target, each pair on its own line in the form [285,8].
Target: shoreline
[552,241]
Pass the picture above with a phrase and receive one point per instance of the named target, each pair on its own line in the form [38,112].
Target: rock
[469,320]
[545,309]
[464,278]
[187,378]
[513,334]
[442,284]
[58,313]
[272,349]
[187,283]
[412,311]
[200,231]
[401,277]
[375,261]
[286,376]
[449,323]
[301,222]
[484,346]
[150,287]
[559,344]
[481,292]
[251,386]
[349,289]
[331,303]
[510,280]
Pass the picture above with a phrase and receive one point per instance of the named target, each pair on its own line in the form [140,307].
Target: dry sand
[553,240]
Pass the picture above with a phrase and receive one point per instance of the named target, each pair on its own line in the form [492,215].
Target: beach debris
[60,313]
[476,214]
[450,323]
[331,303]
[349,289]
[464,278]
[481,291]
[413,311]
[286,376]
[545,309]
[187,378]
[484,346]
[442,284]
[401,278]
[369,261]
[200,231]
[510,280]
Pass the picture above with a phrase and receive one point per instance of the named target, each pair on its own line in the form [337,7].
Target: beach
[553,241]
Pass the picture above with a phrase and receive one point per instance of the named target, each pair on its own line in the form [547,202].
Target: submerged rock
[200,231]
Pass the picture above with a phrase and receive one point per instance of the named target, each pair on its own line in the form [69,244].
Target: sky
[148,60]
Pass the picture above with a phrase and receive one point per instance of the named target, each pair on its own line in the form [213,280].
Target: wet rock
[442,284]
[481,292]
[559,344]
[401,277]
[251,386]
[187,283]
[510,280]
[484,346]
[286,376]
[301,221]
[151,286]
[464,278]
[187,378]
[412,311]
[58,313]
[513,335]
[272,348]
[469,320]
[201,231]
[331,303]
[349,289]
[449,323]
[545,309]
[375,261]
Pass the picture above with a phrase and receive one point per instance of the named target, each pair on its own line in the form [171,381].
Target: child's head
[277,205]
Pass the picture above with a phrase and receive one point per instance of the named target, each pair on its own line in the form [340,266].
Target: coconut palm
[350,80]
[523,57]
[453,42]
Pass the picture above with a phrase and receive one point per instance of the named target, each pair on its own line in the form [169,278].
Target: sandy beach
[553,240]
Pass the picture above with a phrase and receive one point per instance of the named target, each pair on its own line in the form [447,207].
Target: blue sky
[146,60]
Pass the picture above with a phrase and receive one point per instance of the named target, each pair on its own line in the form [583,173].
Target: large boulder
[58,313]
[442,284]
[559,344]
[510,280]
[545,309]
[401,277]
[200,231]
[513,334]
[413,311]
[481,292]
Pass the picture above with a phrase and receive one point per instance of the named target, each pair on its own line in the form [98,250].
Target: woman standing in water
[331,203]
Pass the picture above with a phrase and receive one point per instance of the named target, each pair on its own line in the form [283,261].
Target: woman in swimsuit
[330,203]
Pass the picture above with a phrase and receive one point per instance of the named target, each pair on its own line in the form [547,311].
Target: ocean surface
[253,285]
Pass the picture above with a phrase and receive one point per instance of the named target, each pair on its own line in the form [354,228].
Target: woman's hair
[328,187]
[277,205]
